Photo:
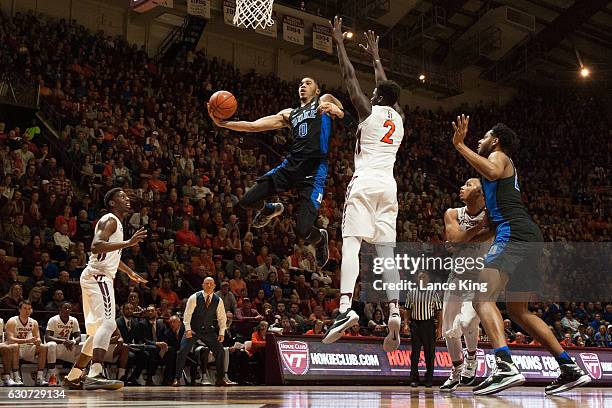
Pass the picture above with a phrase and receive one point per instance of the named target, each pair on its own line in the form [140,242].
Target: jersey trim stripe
[319,185]
[490,189]
[274,170]
[325,132]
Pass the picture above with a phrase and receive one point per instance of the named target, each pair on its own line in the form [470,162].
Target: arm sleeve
[189,308]
[221,317]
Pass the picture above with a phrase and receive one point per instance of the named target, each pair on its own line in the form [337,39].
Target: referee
[424,315]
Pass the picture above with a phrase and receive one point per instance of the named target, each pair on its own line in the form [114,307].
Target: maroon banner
[304,359]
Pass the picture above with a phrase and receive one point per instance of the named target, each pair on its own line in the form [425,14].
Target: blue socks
[564,358]
[503,353]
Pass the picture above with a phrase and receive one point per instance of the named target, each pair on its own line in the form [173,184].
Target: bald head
[208,284]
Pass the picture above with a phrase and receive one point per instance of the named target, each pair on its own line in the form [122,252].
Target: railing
[16,91]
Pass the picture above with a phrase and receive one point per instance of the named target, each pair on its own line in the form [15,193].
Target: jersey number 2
[387,137]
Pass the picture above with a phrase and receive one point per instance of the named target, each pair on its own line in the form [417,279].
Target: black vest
[204,320]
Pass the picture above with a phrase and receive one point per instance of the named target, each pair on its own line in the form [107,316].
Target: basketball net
[254,13]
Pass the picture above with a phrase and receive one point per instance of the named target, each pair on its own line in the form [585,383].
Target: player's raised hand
[460,127]
[371,45]
[138,237]
[331,109]
[336,27]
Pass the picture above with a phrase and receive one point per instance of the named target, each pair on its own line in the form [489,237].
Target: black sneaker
[72,385]
[571,376]
[504,375]
[265,215]
[322,249]
[453,381]
[343,321]
[100,382]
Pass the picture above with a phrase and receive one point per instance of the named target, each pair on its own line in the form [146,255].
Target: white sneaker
[9,382]
[392,341]
[227,380]
[205,380]
[17,379]
[453,381]
[468,376]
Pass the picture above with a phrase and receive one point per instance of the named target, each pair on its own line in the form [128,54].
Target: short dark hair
[25,302]
[64,303]
[110,195]
[390,92]
[508,140]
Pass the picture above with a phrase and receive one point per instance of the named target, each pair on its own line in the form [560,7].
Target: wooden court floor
[309,396]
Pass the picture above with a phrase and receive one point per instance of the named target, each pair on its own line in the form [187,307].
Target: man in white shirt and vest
[203,308]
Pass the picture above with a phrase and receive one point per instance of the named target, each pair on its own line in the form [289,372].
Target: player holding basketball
[511,259]
[371,207]
[99,294]
[305,167]
[463,226]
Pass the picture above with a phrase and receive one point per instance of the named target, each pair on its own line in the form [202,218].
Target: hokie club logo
[591,363]
[295,356]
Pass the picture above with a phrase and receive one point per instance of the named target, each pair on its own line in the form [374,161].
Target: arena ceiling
[563,32]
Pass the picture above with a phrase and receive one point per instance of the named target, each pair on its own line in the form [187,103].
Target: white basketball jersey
[466,221]
[61,329]
[379,137]
[23,331]
[108,262]
[1,330]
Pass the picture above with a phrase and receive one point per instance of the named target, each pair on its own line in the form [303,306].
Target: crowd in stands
[125,120]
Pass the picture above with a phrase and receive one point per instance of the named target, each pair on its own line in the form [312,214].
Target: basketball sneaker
[468,375]
[7,381]
[17,379]
[322,249]
[504,375]
[266,214]
[571,376]
[72,385]
[343,321]
[41,382]
[100,382]
[392,341]
[453,381]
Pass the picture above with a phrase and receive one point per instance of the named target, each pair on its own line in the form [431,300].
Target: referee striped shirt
[423,304]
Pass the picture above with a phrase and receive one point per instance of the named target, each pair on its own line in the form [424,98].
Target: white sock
[345,303]
[15,375]
[121,372]
[95,370]
[6,377]
[349,271]
[40,375]
[389,275]
[54,371]
[74,374]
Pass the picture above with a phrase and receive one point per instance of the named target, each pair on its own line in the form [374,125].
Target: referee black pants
[423,333]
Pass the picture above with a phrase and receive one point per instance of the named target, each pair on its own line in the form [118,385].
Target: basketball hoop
[254,13]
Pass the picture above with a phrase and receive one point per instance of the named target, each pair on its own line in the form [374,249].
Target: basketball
[223,104]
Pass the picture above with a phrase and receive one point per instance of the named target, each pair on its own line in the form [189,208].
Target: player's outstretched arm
[103,233]
[272,122]
[360,101]
[492,167]
[371,47]
[130,273]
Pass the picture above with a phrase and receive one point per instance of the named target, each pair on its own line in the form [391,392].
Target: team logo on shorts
[295,356]
[591,363]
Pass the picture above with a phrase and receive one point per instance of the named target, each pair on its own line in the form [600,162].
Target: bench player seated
[62,337]
[24,331]
[10,359]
